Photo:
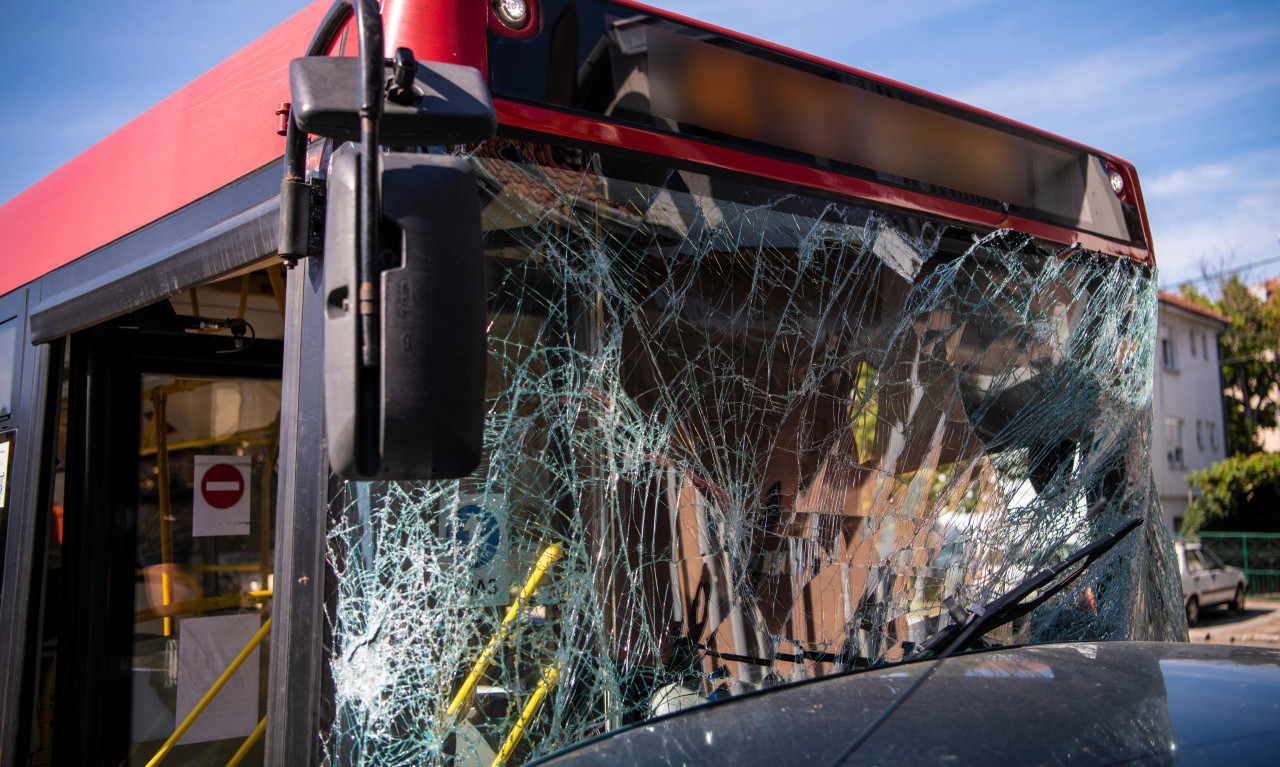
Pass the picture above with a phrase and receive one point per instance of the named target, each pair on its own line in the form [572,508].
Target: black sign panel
[623,65]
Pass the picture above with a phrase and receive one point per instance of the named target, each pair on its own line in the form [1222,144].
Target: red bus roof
[212,131]
[222,126]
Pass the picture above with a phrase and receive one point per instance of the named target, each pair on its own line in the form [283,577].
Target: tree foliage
[1243,491]
[1250,354]
[1250,364]
[1239,493]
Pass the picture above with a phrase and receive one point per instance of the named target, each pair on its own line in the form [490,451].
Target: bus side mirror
[420,413]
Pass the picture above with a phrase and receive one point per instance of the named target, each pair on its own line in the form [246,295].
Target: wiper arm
[967,631]
[971,625]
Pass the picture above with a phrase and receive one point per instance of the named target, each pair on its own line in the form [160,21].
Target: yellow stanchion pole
[243,751]
[550,675]
[199,708]
[160,419]
[265,541]
[277,287]
[244,297]
[544,564]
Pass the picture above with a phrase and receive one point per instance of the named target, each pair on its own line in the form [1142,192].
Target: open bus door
[162,567]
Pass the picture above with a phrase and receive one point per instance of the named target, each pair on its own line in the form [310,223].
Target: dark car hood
[1097,703]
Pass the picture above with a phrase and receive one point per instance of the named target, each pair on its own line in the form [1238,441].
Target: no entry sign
[222,486]
[221,503]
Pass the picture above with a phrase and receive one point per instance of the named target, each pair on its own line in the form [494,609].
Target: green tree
[1250,351]
[1239,493]
[1250,355]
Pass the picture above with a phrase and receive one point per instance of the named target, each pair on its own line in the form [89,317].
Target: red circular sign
[222,486]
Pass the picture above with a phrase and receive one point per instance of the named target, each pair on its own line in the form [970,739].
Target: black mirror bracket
[297,239]
[400,84]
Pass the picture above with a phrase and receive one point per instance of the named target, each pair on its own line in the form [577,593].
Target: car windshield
[1194,563]
[739,436]
[1211,560]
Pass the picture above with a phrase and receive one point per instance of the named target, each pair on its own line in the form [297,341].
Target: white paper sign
[222,493]
[206,646]
[4,470]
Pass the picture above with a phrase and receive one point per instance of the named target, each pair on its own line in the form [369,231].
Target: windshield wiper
[971,625]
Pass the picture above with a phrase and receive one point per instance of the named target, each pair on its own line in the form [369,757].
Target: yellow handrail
[241,568]
[257,435]
[545,562]
[243,751]
[206,604]
[550,675]
[199,708]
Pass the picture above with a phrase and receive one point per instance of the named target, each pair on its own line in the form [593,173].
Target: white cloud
[1141,83]
[1228,209]
[1190,180]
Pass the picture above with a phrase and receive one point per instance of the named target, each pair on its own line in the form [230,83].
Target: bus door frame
[34,417]
[295,688]
[101,498]
[228,230]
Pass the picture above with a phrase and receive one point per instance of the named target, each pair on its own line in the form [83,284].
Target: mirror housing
[446,104]
[420,413]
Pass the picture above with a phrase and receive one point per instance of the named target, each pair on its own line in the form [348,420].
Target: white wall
[1187,392]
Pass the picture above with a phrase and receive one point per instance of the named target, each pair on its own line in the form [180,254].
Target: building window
[1199,436]
[1173,442]
[1213,436]
[1192,333]
[1204,347]
[1168,355]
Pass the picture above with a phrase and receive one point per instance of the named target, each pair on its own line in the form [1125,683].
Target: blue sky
[1190,92]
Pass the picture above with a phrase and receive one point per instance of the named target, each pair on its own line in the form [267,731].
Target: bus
[722,368]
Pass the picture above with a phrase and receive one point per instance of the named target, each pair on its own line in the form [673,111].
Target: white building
[1189,428]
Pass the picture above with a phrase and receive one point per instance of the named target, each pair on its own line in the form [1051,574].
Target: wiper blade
[971,625]
[964,633]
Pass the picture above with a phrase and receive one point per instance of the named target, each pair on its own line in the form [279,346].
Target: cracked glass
[740,436]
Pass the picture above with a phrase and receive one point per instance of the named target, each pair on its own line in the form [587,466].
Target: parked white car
[1206,582]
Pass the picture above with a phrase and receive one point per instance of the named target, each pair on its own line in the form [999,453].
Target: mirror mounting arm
[295,192]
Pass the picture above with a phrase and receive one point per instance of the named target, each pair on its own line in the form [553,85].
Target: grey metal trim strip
[23,538]
[295,673]
[220,249]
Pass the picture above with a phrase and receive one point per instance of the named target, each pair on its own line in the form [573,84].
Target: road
[1258,625]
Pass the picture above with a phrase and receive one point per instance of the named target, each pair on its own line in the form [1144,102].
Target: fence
[1258,554]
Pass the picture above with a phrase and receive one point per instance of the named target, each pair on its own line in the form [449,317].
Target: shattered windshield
[740,436]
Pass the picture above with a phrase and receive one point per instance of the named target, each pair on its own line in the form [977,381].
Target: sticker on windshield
[476,530]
